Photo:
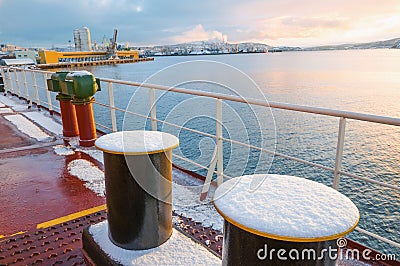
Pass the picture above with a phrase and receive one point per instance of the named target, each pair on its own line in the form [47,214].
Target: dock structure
[93,63]
[54,59]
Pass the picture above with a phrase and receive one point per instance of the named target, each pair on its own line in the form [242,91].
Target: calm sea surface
[365,81]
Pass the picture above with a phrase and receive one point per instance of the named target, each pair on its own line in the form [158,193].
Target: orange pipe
[86,124]
[68,117]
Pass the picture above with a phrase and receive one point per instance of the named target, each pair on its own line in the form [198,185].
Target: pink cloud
[293,27]
[286,22]
[198,33]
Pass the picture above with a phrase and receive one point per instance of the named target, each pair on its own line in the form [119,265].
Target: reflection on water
[366,81]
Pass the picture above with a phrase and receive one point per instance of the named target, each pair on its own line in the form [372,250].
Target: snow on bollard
[286,220]
[138,177]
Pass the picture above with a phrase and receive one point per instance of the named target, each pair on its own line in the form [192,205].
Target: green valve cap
[54,83]
[84,84]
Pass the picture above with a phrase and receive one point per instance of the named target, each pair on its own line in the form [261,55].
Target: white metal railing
[217,158]
[12,84]
[343,115]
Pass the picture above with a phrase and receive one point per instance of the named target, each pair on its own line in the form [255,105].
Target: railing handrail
[394,121]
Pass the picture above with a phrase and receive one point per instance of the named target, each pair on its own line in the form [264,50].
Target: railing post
[220,157]
[5,81]
[26,89]
[35,86]
[153,112]
[48,94]
[17,83]
[11,86]
[339,153]
[10,81]
[112,110]
[210,172]
[217,158]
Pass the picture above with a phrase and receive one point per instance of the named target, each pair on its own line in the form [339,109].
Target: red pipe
[68,117]
[86,124]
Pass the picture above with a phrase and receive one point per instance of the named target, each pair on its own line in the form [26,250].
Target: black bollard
[138,180]
[282,220]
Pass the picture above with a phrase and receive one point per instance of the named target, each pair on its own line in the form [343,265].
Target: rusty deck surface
[35,185]
[59,244]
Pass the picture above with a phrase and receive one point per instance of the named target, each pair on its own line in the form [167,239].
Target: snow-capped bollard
[282,220]
[138,176]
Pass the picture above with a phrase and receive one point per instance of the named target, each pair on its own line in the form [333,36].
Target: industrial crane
[112,48]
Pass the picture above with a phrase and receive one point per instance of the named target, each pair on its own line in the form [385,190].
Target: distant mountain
[221,47]
[393,43]
[205,48]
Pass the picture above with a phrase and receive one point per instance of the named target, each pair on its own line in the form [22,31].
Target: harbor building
[82,39]
[29,54]
[10,48]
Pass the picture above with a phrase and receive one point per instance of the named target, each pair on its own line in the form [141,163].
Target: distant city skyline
[46,23]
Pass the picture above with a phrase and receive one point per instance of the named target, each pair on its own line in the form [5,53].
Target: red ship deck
[35,186]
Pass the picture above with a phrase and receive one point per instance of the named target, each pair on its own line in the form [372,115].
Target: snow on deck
[186,191]
[178,250]
[286,206]
[63,150]
[94,153]
[90,174]
[27,127]
[46,122]
[6,110]
[14,105]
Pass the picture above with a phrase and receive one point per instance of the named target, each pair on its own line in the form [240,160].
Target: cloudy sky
[149,22]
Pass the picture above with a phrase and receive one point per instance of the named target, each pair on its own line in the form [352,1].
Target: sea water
[364,81]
